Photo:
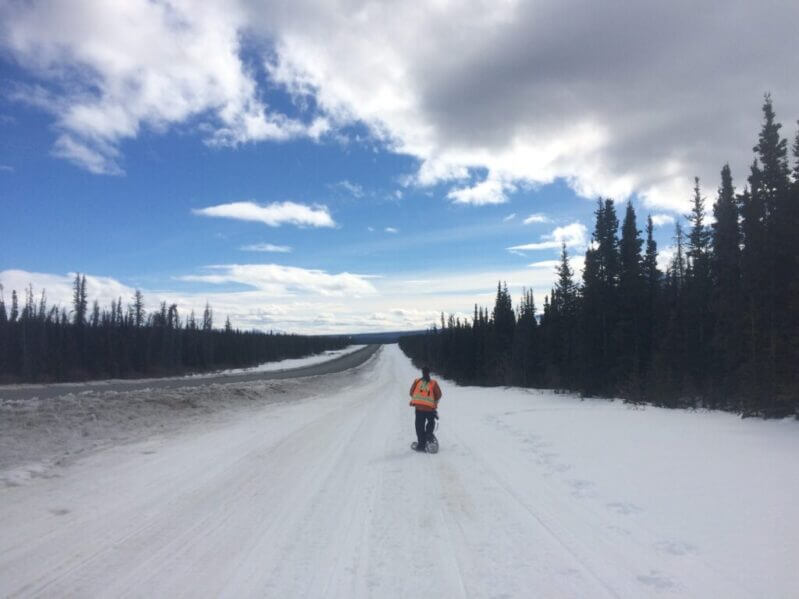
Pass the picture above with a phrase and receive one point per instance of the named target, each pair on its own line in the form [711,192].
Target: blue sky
[158,146]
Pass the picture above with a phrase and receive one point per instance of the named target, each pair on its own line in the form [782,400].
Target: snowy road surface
[531,495]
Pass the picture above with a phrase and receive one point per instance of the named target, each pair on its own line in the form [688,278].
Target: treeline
[41,343]
[719,328]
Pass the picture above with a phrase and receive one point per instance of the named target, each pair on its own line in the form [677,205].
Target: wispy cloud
[391,230]
[274,215]
[266,247]
[349,188]
[545,264]
[573,235]
[7,168]
[536,218]
[509,218]
[286,280]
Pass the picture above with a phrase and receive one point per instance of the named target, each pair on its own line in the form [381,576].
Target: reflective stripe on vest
[423,395]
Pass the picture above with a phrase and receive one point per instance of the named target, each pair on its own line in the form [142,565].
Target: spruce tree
[697,293]
[504,325]
[631,303]
[726,299]
[771,185]
[600,305]
[565,306]
[652,281]
[14,306]
[138,309]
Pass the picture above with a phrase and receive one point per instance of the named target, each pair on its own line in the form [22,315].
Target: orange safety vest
[424,395]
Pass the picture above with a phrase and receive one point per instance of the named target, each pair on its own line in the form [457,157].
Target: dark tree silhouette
[720,329]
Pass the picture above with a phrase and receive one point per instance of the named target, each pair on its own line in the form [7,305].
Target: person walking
[425,395]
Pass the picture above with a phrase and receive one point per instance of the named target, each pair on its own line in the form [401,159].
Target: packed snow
[314,492]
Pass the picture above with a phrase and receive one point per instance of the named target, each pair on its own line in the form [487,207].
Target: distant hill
[391,337]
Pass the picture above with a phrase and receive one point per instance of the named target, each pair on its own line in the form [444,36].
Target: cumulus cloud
[490,191]
[266,247]
[274,215]
[573,235]
[536,218]
[658,220]
[112,69]
[615,99]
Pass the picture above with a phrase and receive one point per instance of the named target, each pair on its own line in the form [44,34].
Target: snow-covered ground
[279,365]
[531,495]
[286,364]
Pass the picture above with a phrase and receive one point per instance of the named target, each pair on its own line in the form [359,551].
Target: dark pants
[425,425]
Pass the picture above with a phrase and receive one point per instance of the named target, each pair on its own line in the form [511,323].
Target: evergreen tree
[526,342]
[726,282]
[138,309]
[770,184]
[14,306]
[3,314]
[600,303]
[672,362]
[79,303]
[631,306]
[651,281]
[504,321]
[564,306]
[697,293]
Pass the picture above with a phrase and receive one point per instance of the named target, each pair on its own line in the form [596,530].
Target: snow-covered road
[531,495]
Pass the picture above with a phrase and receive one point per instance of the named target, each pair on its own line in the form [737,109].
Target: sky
[350,166]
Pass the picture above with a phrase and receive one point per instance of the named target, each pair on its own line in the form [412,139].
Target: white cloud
[545,264]
[489,191]
[633,98]
[274,215]
[59,287]
[266,247]
[391,230]
[665,256]
[112,69]
[350,188]
[573,235]
[509,218]
[536,218]
[6,168]
[286,280]
[531,92]
[307,301]
[658,220]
